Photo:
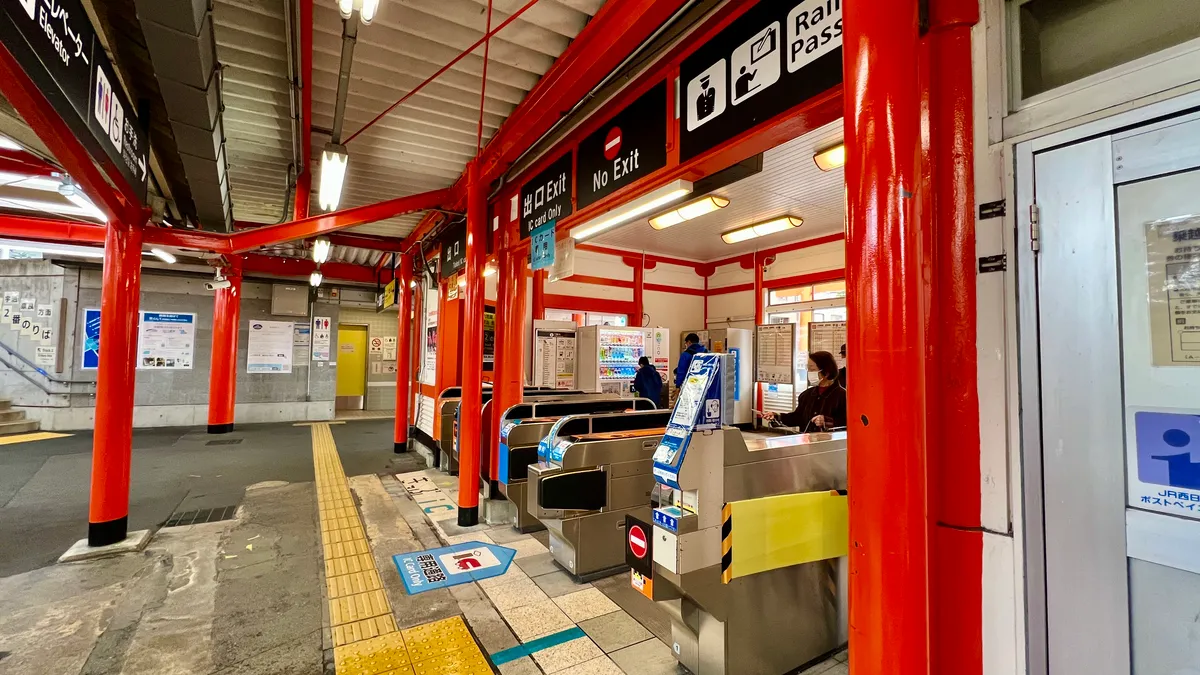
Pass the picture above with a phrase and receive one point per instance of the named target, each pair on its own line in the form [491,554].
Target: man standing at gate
[693,347]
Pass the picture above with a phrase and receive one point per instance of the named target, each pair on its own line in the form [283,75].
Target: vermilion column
[539,294]
[404,329]
[510,358]
[108,510]
[470,417]
[222,376]
[889,585]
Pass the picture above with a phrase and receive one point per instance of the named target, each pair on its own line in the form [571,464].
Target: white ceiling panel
[789,184]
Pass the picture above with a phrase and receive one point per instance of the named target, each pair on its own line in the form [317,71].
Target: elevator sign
[627,147]
[774,57]
[56,46]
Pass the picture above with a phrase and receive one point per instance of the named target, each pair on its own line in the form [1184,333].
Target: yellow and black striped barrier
[781,531]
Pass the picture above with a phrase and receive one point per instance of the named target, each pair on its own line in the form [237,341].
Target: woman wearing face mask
[819,407]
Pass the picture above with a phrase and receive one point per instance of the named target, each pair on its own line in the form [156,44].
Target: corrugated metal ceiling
[422,145]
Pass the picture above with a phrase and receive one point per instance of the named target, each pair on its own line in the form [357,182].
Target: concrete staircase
[14,422]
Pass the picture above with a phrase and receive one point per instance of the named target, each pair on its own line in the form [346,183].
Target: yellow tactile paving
[365,638]
[25,438]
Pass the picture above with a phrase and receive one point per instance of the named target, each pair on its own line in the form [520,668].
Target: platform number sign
[775,56]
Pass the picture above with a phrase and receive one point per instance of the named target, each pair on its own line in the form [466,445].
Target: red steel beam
[300,268]
[304,177]
[337,220]
[49,230]
[19,161]
[37,112]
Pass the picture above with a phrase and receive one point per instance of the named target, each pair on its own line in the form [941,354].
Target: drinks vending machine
[608,356]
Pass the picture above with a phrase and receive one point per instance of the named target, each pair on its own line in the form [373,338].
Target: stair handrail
[39,370]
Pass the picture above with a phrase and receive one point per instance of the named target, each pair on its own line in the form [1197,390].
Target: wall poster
[1173,267]
[91,339]
[269,349]
[166,340]
[489,338]
[321,338]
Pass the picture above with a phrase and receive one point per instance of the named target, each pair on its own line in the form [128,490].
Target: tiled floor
[623,633]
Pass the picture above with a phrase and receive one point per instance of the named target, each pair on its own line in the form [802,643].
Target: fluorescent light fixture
[315,278]
[462,281]
[54,249]
[80,207]
[647,203]
[489,269]
[333,173]
[162,255]
[87,207]
[367,9]
[321,250]
[7,143]
[761,229]
[831,158]
[689,211]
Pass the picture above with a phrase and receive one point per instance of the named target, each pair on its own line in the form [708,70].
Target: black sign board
[489,338]
[454,250]
[55,44]
[772,58]
[547,196]
[629,146]
[639,546]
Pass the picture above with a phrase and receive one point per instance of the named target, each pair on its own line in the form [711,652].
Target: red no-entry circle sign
[637,541]
[612,143]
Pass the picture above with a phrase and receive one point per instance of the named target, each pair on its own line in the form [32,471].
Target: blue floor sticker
[452,565]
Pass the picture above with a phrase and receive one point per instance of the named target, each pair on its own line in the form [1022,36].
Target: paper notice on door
[1173,267]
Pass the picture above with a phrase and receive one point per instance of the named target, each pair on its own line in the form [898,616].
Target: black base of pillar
[111,532]
[220,428]
[468,516]
[400,448]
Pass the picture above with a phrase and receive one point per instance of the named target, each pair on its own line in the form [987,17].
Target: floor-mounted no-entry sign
[452,565]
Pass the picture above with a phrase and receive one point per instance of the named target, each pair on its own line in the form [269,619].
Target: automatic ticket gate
[521,430]
[592,472]
[447,413]
[747,541]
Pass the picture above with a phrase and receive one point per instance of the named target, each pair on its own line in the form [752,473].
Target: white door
[1110,378]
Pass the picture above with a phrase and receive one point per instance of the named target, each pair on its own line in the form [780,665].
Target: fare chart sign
[772,58]
[57,47]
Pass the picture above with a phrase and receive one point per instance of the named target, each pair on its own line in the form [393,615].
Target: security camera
[219,282]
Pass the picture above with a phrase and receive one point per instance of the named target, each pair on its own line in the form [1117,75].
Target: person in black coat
[648,383]
[818,408]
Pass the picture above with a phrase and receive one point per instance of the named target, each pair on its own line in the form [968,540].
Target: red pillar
[471,414]
[539,294]
[639,304]
[108,511]
[956,539]
[404,328]
[510,355]
[222,375]
[889,586]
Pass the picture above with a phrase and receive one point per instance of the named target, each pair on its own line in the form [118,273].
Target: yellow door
[351,366]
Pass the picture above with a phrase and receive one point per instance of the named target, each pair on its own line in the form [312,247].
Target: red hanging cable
[443,69]
[487,44]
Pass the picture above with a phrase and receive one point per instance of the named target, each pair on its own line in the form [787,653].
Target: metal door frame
[362,404]
[1025,372]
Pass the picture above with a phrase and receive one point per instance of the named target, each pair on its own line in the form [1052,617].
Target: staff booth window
[801,305]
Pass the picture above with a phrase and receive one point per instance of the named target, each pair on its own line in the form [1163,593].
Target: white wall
[679,313]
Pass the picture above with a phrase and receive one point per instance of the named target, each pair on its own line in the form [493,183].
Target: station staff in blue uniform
[648,383]
[685,357]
